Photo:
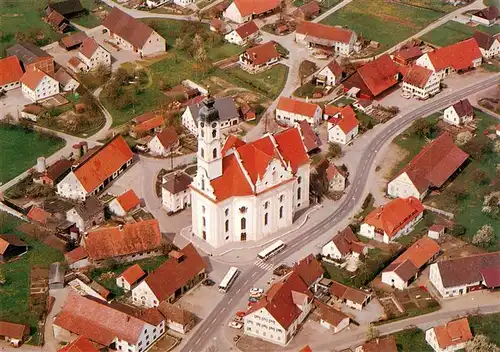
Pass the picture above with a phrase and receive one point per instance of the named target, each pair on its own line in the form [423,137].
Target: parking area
[13,102]
[201,300]
[372,312]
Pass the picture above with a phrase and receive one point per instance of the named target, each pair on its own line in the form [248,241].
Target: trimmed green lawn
[486,325]
[90,20]
[452,32]
[412,340]
[21,147]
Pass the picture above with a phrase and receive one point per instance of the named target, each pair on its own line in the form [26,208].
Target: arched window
[202,184]
[226,225]
[281,212]
[298,193]
[226,211]
[299,180]
[214,153]
[204,221]
[202,153]
[203,207]
[214,133]
[282,197]
[202,133]
[266,219]
[266,205]
[243,223]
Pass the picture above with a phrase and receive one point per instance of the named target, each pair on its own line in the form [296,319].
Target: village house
[175,191]
[429,169]
[177,319]
[133,35]
[331,318]
[14,334]
[379,344]
[459,113]
[266,319]
[452,336]
[459,276]
[156,3]
[436,231]
[125,203]
[178,275]
[32,112]
[228,114]
[241,11]
[66,81]
[32,56]
[309,270]
[54,222]
[364,105]
[406,55]
[146,124]
[77,258]
[330,75]
[247,113]
[341,41]
[243,34]
[406,267]
[487,16]
[290,111]
[344,244]
[81,344]
[54,173]
[87,214]
[58,22]
[165,142]
[10,73]
[94,171]
[112,325]
[343,126]
[489,45]
[38,85]
[392,220]
[72,41]
[307,11]
[334,176]
[259,58]
[11,246]
[311,141]
[218,26]
[67,8]
[458,57]
[92,55]
[129,278]
[420,82]
[351,297]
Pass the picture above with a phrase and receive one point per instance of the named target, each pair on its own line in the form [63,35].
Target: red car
[240,314]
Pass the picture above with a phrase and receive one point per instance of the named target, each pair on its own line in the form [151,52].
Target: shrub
[458,230]
[484,236]
[463,137]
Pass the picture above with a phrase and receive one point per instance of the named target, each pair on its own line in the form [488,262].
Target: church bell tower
[209,158]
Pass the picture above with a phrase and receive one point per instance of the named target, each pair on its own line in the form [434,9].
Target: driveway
[12,103]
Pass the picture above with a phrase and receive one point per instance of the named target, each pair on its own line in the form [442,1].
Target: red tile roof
[409,53]
[331,110]
[297,107]
[10,70]
[102,164]
[463,108]
[306,348]
[232,142]
[233,181]
[309,269]
[437,228]
[175,273]
[109,242]
[383,344]
[75,62]
[39,215]
[309,9]
[459,55]
[417,76]
[453,333]
[168,137]
[75,255]
[393,216]
[144,117]
[247,29]
[347,120]
[311,141]
[379,74]
[329,314]
[127,27]
[349,293]
[435,163]
[132,274]
[256,7]
[58,168]
[260,54]
[128,200]
[291,148]
[73,39]
[323,31]
[149,124]
[334,67]
[420,252]
[347,242]
[13,330]
[491,276]
[89,47]
[32,77]
[81,344]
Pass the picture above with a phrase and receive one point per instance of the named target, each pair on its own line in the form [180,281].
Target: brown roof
[176,314]
[133,273]
[13,330]
[329,314]
[73,39]
[89,47]
[127,27]
[81,344]
[491,276]
[453,333]
[55,18]
[33,109]
[75,62]
[104,292]
[62,76]
[379,74]
[405,269]
[484,40]
[490,13]
[309,9]
[175,273]
[466,270]
[347,242]
[435,163]
[345,292]
[383,344]
[335,68]
[89,208]
[144,117]
[58,168]
[311,141]
[463,108]
[177,182]
[7,240]
[109,242]
[417,76]
[247,29]
[168,137]
[10,70]
[322,31]
[260,54]
[409,53]
[309,269]
[329,169]
[437,228]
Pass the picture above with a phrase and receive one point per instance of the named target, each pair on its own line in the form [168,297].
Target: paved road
[332,10]
[147,14]
[222,311]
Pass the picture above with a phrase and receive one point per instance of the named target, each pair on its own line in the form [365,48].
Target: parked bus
[228,280]
[273,249]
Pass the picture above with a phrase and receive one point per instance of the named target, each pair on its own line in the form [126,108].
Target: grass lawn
[90,20]
[307,90]
[412,340]
[387,22]
[20,148]
[14,302]
[324,5]
[452,32]
[486,325]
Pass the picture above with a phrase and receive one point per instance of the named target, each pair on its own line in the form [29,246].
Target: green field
[20,148]
[452,32]
[387,22]
[486,325]
[412,340]
[90,20]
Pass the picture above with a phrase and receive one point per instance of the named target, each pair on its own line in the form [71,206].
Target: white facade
[430,337]
[493,51]
[425,61]
[335,329]
[143,296]
[232,13]
[450,116]
[435,278]
[337,135]
[430,88]
[155,3]
[340,48]
[483,21]
[157,148]
[291,118]
[392,279]
[47,87]
[10,86]
[115,207]
[121,282]
[71,86]
[327,77]
[175,202]
[403,187]
[234,38]
[337,183]
[100,57]
[330,249]
[154,45]
[189,122]
[369,231]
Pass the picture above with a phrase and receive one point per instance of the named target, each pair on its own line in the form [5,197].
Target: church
[246,191]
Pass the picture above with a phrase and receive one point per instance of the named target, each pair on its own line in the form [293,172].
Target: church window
[214,133]
[298,193]
[281,198]
[202,153]
[281,212]
[266,205]
[266,219]
[243,223]
[226,225]
[204,221]
[226,211]
[214,153]
[299,180]
[243,210]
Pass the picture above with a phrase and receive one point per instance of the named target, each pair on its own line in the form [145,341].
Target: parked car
[256,291]
[142,148]
[253,299]
[208,282]
[235,325]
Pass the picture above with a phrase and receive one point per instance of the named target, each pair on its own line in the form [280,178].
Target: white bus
[228,280]
[273,249]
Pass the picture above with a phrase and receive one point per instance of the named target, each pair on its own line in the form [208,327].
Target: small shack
[11,246]
[436,231]
[56,276]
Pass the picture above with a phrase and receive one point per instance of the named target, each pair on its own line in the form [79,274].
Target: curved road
[220,314]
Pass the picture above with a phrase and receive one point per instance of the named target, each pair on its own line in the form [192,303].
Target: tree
[463,137]
[180,44]
[481,177]
[319,186]
[497,146]
[334,150]
[484,236]
[197,41]
[422,128]
[2,277]
[478,148]
[491,204]
[458,192]
[481,343]
[458,230]
[200,55]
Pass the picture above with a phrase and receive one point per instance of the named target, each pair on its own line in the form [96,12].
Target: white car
[256,291]
[235,325]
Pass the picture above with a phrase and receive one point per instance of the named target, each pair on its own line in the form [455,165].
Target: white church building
[246,191]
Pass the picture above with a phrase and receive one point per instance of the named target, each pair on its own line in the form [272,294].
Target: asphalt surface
[221,313]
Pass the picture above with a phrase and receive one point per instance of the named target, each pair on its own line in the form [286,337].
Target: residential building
[77,258]
[351,297]
[67,8]
[112,325]
[243,34]
[436,231]
[228,114]
[10,73]
[259,58]
[331,318]
[341,41]
[407,55]
[125,203]
[72,41]
[11,246]
[429,169]
[309,270]
[146,124]
[133,35]
[247,112]
[343,126]
[311,141]
[81,344]
[461,56]
[94,171]
[241,11]
[458,276]
[87,214]
[66,81]
[365,105]
[38,85]
[14,334]
[420,82]
[92,55]
[290,111]
[406,267]
[175,191]
[379,344]
[344,244]
[54,173]
[335,178]
[452,336]
[218,26]
[177,276]
[32,112]
[459,113]
[307,11]
[330,75]
[266,319]
[392,220]
[489,45]
[129,278]
[156,3]
[487,16]
[58,22]
[165,142]
[176,318]
[32,56]
[246,191]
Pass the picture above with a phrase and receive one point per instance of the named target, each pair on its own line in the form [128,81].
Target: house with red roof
[343,126]
[339,40]
[311,141]
[458,57]
[330,75]
[429,169]
[350,296]
[344,244]
[307,11]
[243,34]
[164,142]
[10,73]
[259,58]
[92,173]
[407,55]
[92,55]
[86,214]
[459,113]
[130,277]
[146,124]
[125,203]
[331,318]
[392,220]
[310,271]
[13,333]
[281,310]
[382,344]
[290,111]
[241,11]
[449,337]
[38,85]
[81,344]
[420,82]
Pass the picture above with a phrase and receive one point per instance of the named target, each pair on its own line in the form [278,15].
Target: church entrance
[243,236]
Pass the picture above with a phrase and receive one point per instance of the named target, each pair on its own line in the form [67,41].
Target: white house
[343,126]
[10,73]
[459,113]
[86,214]
[341,40]
[489,45]
[93,55]
[290,111]
[330,75]
[37,85]
[228,114]
[452,336]
[392,220]
[334,176]
[420,82]
[331,318]
[259,58]
[344,244]
[436,231]
[277,315]
[243,34]
[351,297]
[175,191]
[125,203]
[164,142]
[130,277]
[67,82]
[241,11]
[487,16]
